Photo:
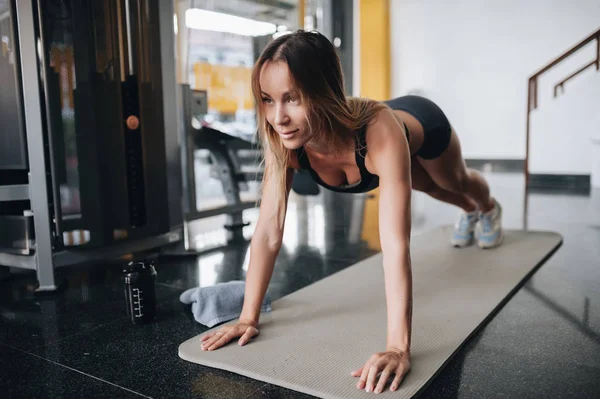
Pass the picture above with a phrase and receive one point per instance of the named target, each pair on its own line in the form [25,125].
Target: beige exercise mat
[316,336]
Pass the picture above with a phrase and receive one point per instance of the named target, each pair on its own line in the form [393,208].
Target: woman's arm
[264,246]
[389,155]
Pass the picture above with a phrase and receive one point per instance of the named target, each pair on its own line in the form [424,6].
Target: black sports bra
[367,182]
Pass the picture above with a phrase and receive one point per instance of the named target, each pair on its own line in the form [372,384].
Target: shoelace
[463,223]
[486,223]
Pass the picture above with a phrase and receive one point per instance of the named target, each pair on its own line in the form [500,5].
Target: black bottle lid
[135,269]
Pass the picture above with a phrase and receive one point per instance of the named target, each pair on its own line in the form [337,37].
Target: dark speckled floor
[545,343]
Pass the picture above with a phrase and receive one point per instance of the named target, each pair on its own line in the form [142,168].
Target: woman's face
[282,105]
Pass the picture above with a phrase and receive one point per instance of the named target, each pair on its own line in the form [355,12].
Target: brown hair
[316,72]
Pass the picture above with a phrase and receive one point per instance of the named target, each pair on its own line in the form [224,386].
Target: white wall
[474,58]
[561,130]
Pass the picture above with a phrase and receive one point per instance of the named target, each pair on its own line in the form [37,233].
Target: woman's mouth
[287,135]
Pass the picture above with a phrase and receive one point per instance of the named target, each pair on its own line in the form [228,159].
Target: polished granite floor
[79,343]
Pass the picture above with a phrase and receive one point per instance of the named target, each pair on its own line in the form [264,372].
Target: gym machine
[234,162]
[90,164]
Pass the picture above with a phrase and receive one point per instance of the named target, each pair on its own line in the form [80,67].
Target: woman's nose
[281,117]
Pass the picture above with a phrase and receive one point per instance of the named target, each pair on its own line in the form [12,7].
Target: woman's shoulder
[384,133]
[384,126]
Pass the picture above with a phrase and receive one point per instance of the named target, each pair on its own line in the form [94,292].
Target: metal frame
[44,260]
[226,170]
[45,85]
[532,87]
[38,184]
[172,113]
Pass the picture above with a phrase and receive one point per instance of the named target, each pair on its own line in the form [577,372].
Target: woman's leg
[463,233]
[421,181]
[450,172]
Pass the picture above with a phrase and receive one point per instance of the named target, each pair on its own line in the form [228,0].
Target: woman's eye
[292,99]
[266,100]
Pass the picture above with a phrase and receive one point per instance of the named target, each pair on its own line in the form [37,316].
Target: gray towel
[219,303]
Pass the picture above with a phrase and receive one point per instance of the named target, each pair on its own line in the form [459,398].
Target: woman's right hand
[216,339]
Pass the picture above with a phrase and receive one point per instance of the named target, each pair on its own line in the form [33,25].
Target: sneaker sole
[485,245]
[462,244]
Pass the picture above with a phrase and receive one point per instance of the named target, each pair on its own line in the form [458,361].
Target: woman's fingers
[400,373]
[212,339]
[222,339]
[208,342]
[250,332]
[383,379]
[215,340]
[357,373]
[397,380]
[205,337]
[363,375]
[372,378]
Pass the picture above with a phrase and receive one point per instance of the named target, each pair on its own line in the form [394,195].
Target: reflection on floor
[544,343]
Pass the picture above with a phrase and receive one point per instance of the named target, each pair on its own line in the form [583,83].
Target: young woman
[354,145]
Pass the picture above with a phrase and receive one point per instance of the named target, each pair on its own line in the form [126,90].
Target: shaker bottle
[140,293]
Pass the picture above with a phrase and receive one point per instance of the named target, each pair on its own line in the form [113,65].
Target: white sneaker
[464,229]
[489,228]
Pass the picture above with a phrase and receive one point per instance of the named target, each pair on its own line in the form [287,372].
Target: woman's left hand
[392,362]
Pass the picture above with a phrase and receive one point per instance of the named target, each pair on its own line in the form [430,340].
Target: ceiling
[280,12]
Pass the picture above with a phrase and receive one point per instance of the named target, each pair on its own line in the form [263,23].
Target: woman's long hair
[316,73]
